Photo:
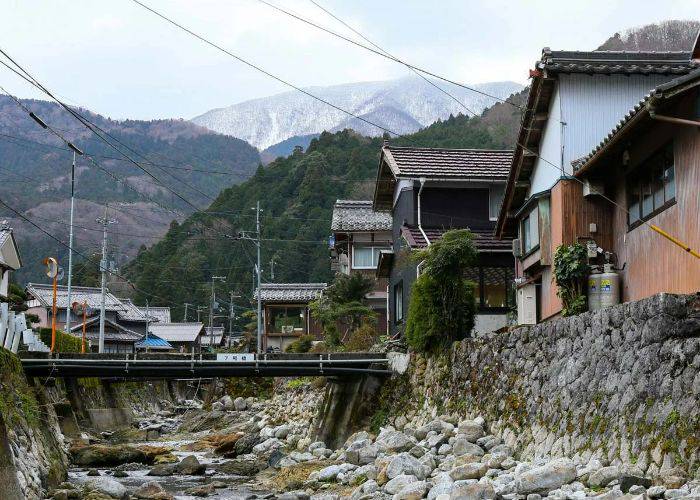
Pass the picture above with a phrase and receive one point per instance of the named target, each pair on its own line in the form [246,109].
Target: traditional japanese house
[286,315]
[575,99]
[9,258]
[429,191]
[183,337]
[649,166]
[123,324]
[360,234]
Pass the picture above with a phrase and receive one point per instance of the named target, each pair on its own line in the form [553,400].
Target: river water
[238,487]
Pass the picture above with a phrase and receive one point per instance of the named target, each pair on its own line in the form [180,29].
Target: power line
[267,73]
[427,80]
[95,128]
[187,168]
[383,54]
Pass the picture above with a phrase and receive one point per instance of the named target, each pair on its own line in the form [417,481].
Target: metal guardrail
[178,366]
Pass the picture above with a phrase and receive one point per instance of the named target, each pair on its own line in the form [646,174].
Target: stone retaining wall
[622,384]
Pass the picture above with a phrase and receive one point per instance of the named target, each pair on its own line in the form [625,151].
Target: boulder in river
[152,491]
[107,486]
[240,467]
[162,470]
[190,466]
[107,455]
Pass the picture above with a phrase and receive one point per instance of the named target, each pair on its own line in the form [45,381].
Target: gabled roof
[358,215]
[121,334]
[44,294]
[641,112]
[542,89]
[484,240]
[177,332]
[616,62]
[161,314]
[457,165]
[9,253]
[290,292]
[131,312]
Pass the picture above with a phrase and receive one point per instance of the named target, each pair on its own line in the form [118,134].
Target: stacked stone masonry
[621,384]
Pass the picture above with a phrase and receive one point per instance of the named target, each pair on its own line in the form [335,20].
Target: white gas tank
[609,287]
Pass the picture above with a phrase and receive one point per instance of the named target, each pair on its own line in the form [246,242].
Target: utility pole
[103,269]
[231,316]
[70,237]
[211,308]
[258,268]
[272,270]
[257,230]
[148,313]
[184,318]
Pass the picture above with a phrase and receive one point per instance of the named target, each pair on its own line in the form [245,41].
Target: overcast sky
[117,59]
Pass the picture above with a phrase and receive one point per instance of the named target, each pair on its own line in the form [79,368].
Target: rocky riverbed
[262,448]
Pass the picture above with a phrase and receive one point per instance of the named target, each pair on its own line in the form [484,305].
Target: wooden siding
[652,263]
[570,218]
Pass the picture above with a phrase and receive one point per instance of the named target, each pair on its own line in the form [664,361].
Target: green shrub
[442,305]
[570,273]
[302,344]
[64,341]
[362,338]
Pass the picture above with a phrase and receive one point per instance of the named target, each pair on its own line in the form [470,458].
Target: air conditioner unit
[593,188]
[517,252]
[527,305]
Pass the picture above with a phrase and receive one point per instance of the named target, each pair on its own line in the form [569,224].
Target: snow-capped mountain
[403,105]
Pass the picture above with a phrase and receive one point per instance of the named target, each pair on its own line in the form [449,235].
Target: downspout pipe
[420,225]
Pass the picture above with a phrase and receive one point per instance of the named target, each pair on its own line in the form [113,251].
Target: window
[286,319]
[492,286]
[366,257]
[529,231]
[495,200]
[651,188]
[398,302]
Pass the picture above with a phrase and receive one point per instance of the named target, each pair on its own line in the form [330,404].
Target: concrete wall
[622,383]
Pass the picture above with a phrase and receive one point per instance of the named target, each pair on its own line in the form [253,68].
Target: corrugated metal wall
[591,105]
[545,175]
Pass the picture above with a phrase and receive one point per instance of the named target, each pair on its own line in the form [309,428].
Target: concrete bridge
[178,366]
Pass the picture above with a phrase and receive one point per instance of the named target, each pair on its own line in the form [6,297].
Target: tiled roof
[683,82]
[616,62]
[448,163]
[44,294]
[131,312]
[484,240]
[290,292]
[208,338]
[5,260]
[177,332]
[161,314]
[121,335]
[357,215]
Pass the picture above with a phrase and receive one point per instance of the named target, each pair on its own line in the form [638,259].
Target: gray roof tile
[290,292]
[616,62]
[448,163]
[357,215]
[44,294]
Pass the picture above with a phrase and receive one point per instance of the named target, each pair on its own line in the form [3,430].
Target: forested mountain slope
[35,177]
[297,195]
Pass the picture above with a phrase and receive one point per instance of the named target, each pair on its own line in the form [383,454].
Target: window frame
[532,215]
[495,189]
[376,250]
[480,292]
[398,302]
[644,177]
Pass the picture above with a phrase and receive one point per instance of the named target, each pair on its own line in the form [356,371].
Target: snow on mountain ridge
[403,105]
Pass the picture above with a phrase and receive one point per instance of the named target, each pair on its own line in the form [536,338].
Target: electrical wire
[382,54]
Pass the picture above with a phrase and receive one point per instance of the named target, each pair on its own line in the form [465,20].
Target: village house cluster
[608,147]
[607,156]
